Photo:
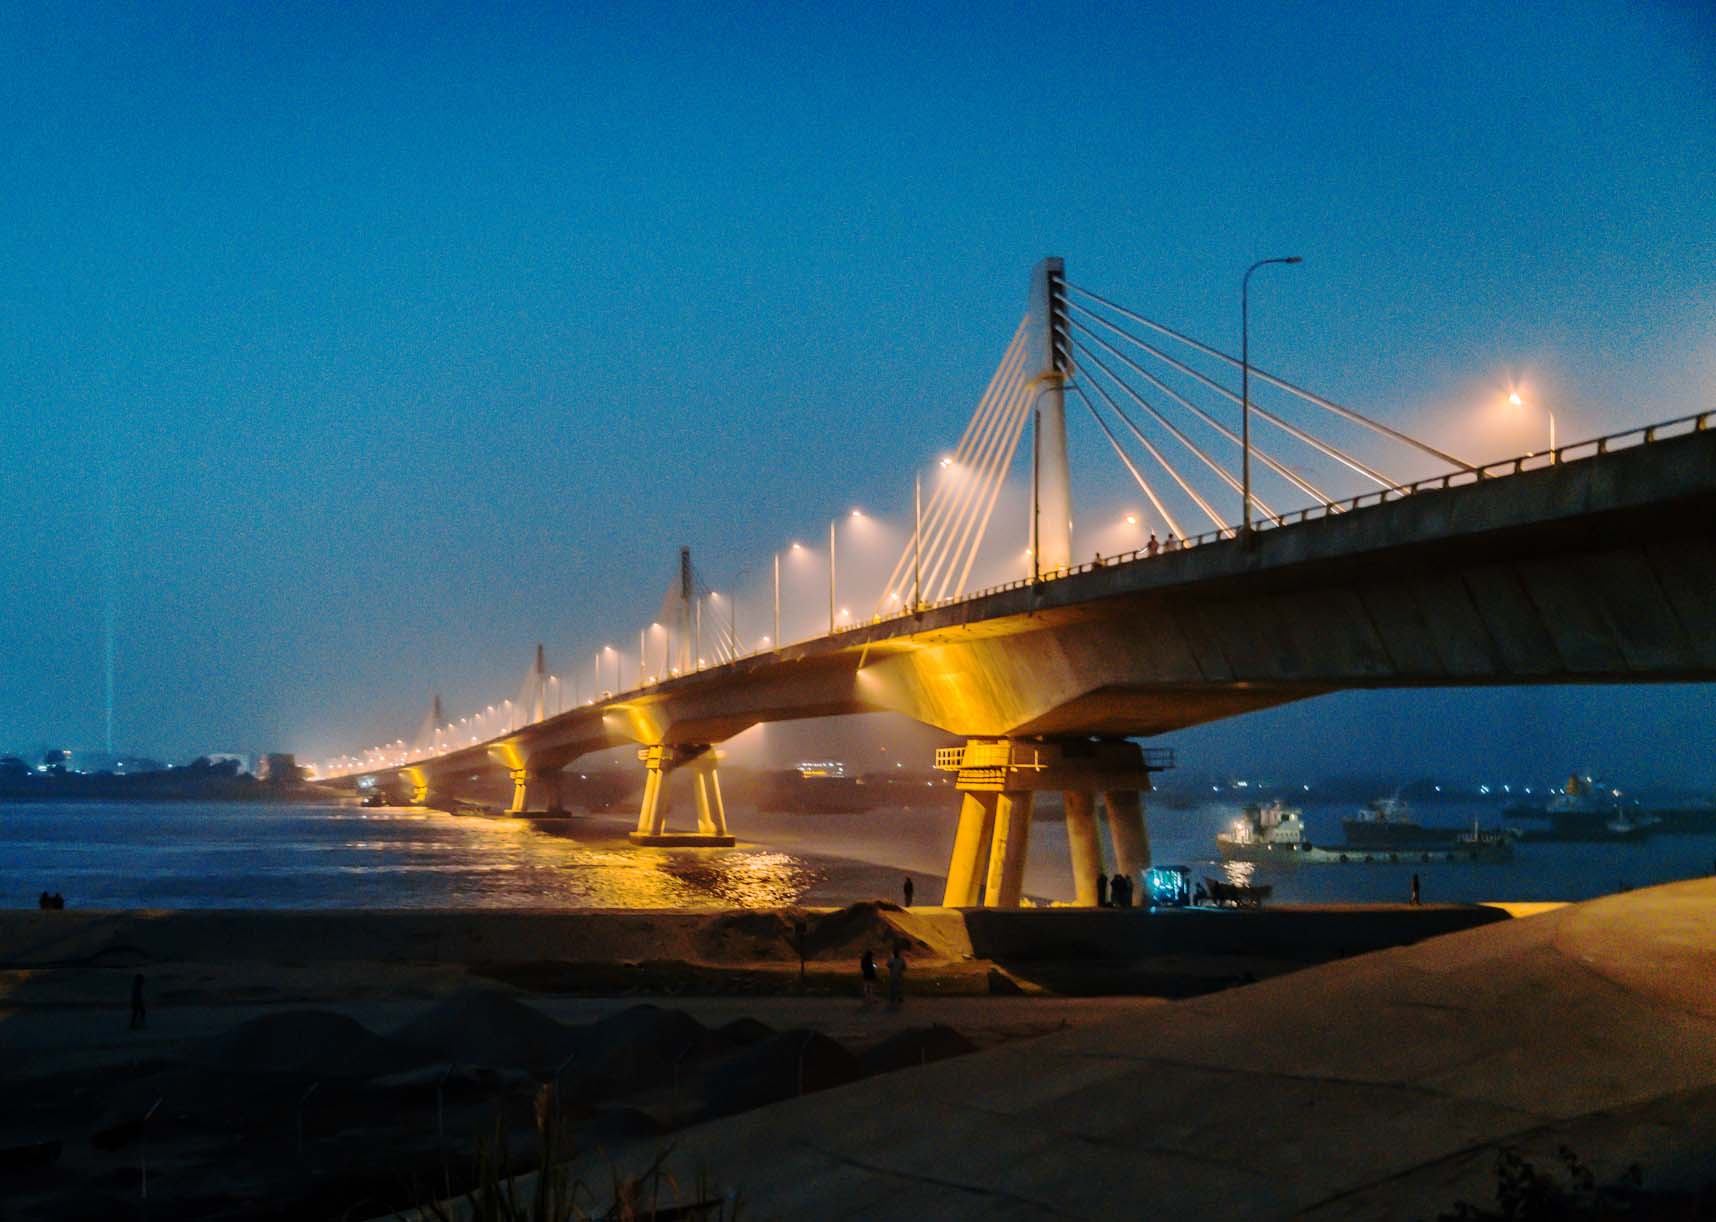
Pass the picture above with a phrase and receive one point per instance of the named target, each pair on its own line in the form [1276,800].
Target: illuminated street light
[1513,398]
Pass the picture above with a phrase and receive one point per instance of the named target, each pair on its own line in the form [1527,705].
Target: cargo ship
[1274,834]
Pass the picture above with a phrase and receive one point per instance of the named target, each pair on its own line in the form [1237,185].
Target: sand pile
[915,1046]
[644,1046]
[744,1031]
[317,1043]
[780,1067]
[771,935]
[491,1029]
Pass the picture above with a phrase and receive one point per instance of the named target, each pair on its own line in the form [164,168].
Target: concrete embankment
[1382,1086]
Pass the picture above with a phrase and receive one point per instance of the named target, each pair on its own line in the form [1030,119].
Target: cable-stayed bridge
[1591,562]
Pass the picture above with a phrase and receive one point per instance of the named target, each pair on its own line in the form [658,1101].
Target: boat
[1274,833]
[1387,823]
[1588,808]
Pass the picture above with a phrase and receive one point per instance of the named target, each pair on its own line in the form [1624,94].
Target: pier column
[1126,830]
[1008,848]
[659,762]
[535,789]
[965,879]
[711,815]
[1084,845]
[416,786]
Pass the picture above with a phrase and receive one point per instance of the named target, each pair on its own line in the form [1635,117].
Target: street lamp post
[777,639]
[1245,385]
[1513,398]
[831,599]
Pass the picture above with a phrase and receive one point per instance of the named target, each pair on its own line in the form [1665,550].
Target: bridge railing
[1576,451]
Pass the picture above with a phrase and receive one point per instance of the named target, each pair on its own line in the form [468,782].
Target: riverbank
[338,1062]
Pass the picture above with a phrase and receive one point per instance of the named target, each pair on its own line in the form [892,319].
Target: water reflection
[206,856]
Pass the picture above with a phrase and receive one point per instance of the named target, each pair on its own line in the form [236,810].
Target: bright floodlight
[857,513]
[947,462]
[1132,519]
[1513,398]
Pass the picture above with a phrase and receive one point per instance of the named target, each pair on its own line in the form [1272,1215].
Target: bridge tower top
[1051,484]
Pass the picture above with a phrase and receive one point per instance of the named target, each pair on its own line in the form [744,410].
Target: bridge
[1593,562]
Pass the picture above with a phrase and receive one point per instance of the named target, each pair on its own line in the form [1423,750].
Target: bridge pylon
[660,762]
[1051,483]
[999,780]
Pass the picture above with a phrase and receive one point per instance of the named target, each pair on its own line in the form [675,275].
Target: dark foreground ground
[349,1064]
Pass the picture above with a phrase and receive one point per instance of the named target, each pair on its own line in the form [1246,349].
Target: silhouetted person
[1102,890]
[1152,547]
[1121,891]
[139,1017]
[1200,897]
[45,902]
[57,902]
[1415,900]
[897,977]
[867,970]
[1171,544]
[908,889]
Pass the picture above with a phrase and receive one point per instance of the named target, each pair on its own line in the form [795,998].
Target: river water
[222,855]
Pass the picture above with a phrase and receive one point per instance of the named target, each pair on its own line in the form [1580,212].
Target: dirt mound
[644,1046]
[870,923]
[915,1046]
[743,1032]
[491,1029]
[780,1067]
[747,937]
[318,1043]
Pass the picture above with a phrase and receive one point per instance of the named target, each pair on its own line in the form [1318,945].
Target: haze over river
[219,855]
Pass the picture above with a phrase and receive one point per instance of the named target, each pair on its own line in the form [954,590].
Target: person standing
[897,977]
[1415,899]
[1102,890]
[907,890]
[867,970]
[139,1016]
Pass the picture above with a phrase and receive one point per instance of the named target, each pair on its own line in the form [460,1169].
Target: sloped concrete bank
[1381,1086]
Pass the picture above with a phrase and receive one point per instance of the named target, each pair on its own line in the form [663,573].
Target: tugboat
[1275,833]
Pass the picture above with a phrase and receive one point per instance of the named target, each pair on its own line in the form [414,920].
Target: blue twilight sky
[347,351]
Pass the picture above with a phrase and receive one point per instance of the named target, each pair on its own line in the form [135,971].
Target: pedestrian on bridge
[908,889]
[1101,889]
[1415,899]
[1152,547]
[897,977]
[867,970]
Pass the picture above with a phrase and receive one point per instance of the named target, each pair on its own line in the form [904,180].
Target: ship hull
[1487,853]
